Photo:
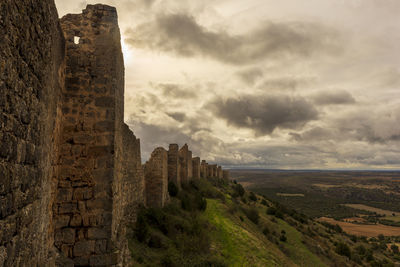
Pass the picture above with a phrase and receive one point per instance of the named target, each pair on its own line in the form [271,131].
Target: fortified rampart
[174,170]
[156,174]
[70,168]
[31,80]
[196,167]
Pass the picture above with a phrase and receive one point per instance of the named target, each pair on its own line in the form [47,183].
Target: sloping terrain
[212,222]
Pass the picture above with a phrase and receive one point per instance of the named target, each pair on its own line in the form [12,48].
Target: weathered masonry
[92,195]
[174,171]
[156,175]
[70,168]
[31,80]
[71,177]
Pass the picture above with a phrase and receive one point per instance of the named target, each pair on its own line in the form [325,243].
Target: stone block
[61,221]
[67,207]
[95,233]
[103,260]
[84,248]
[76,220]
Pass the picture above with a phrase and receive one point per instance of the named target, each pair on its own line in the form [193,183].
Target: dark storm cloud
[284,83]
[333,98]
[264,114]
[183,36]
[176,91]
[314,134]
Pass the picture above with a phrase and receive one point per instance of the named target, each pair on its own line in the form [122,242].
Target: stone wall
[204,169]
[196,167]
[183,163]
[189,165]
[129,190]
[219,172]
[173,165]
[70,169]
[212,170]
[93,183]
[156,175]
[31,78]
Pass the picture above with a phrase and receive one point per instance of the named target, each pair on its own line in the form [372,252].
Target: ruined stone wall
[90,203]
[156,177]
[70,169]
[196,167]
[204,169]
[189,165]
[212,170]
[173,165]
[183,163]
[219,172]
[31,78]
[128,188]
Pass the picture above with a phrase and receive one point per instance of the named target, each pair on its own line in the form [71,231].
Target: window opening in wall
[76,39]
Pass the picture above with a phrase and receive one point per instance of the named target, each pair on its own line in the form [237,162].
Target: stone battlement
[70,168]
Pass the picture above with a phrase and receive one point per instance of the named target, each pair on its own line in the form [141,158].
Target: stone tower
[100,174]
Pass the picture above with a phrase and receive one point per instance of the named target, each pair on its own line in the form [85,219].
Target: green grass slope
[212,222]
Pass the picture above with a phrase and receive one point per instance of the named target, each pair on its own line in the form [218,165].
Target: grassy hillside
[211,222]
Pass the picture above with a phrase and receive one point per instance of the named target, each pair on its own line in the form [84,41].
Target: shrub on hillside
[264,202]
[192,202]
[283,238]
[252,214]
[238,190]
[266,230]
[343,249]
[271,211]
[252,196]
[141,228]
[173,190]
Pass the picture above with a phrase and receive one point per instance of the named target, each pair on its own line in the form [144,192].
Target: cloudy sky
[264,83]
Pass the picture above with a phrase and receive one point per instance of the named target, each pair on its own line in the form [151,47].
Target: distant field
[372,209]
[364,186]
[289,195]
[364,229]
[392,218]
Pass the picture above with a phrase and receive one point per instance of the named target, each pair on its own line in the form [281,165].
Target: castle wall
[93,182]
[31,78]
[212,170]
[156,177]
[70,169]
[128,188]
[173,165]
[183,163]
[189,165]
[219,172]
[204,169]
[196,167]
